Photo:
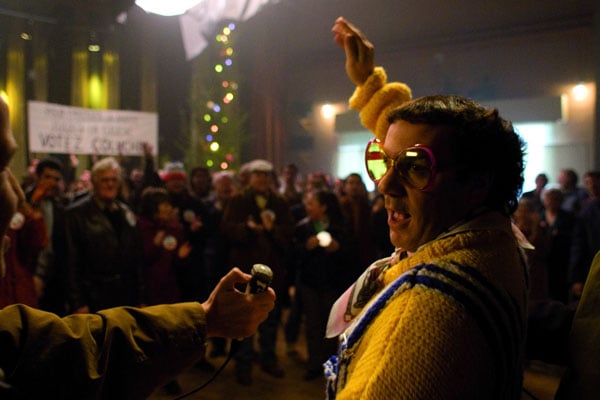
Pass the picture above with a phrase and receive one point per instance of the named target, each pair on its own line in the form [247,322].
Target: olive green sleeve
[124,352]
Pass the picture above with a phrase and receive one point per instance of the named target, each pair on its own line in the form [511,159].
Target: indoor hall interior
[280,73]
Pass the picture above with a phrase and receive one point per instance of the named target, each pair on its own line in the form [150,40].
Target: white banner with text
[59,129]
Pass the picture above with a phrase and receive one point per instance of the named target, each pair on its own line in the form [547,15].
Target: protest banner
[60,129]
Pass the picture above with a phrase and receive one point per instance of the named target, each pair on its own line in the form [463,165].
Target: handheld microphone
[261,279]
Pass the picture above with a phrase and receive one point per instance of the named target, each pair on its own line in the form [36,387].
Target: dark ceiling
[396,23]
[295,34]
[88,12]
[389,23]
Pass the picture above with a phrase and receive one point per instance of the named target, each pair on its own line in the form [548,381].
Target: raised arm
[360,53]
[373,97]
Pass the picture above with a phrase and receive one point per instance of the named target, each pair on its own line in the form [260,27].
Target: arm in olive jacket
[116,353]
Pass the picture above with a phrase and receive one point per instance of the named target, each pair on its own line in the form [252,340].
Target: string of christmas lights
[216,130]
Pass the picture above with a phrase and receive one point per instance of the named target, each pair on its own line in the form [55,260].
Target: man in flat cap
[258,226]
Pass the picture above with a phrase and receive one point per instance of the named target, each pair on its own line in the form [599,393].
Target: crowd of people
[148,236]
[562,221]
[119,352]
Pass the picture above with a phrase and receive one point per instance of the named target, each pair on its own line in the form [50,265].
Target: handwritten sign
[60,129]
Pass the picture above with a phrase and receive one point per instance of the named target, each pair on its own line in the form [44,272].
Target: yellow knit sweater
[452,329]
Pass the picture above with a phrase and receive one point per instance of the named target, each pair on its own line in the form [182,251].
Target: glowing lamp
[580,92]
[167,8]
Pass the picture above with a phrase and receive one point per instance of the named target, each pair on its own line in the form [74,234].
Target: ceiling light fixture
[93,44]
[580,91]
[167,8]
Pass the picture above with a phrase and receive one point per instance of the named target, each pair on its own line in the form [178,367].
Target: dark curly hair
[485,142]
[50,163]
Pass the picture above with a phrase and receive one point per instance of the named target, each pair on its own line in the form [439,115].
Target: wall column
[596,149]
[15,89]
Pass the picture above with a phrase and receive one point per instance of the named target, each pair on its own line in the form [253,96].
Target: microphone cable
[235,344]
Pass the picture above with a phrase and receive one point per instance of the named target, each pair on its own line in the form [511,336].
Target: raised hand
[360,52]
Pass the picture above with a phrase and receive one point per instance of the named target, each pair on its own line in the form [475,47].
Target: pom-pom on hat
[173,170]
[259,166]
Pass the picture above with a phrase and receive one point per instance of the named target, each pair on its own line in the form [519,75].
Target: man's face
[540,182]
[290,174]
[166,212]
[200,182]
[315,211]
[176,185]
[136,176]
[260,181]
[564,180]
[592,185]
[416,217]
[353,186]
[106,184]
[224,188]
[49,179]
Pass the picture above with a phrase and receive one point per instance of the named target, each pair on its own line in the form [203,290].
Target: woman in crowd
[164,251]
[322,244]
[164,248]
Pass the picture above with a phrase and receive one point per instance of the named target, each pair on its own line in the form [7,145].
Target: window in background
[351,156]
[536,135]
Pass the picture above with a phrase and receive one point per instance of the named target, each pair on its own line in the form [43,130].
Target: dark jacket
[193,277]
[104,263]
[50,265]
[586,241]
[248,247]
[320,269]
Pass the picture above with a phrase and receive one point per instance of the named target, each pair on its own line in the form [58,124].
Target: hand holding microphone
[231,313]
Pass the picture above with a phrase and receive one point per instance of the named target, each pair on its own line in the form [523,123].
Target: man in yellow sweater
[445,316]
